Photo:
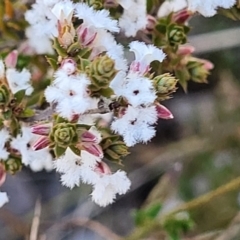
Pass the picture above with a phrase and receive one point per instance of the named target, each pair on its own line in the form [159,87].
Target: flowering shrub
[69,98]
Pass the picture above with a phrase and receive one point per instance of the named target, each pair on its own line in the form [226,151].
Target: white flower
[70,94]
[138,90]
[171,6]
[135,125]
[37,160]
[107,186]
[19,80]
[134,17]
[4,136]
[144,55]
[208,8]
[63,10]
[3,198]
[99,19]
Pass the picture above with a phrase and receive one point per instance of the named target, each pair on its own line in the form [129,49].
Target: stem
[140,233]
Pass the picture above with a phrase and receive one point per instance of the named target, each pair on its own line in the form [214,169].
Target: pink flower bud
[41,129]
[151,22]
[163,112]
[69,66]
[110,3]
[182,16]
[88,137]
[93,149]
[185,50]
[11,59]
[86,35]
[41,143]
[207,64]
[2,174]
[102,168]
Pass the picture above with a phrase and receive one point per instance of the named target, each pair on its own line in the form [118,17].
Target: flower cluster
[84,113]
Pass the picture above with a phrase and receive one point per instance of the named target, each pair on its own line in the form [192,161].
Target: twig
[36,221]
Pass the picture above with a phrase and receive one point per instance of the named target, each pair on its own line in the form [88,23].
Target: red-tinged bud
[11,59]
[102,168]
[163,112]
[41,143]
[207,64]
[93,149]
[86,35]
[182,16]
[185,50]
[41,129]
[122,112]
[151,23]
[75,117]
[110,3]
[2,174]
[88,137]
[69,66]
[66,33]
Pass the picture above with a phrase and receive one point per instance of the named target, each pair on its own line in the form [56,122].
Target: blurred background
[196,152]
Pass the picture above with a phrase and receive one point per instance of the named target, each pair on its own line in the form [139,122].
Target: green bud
[176,35]
[64,134]
[4,95]
[101,71]
[13,165]
[96,4]
[165,83]
[198,71]
[116,151]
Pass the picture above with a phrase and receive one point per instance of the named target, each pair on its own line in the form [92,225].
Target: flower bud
[96,4]
[86,35]
[88,137]
[199,69]
[165,83]
[93,149]
[163,112]
[69,66]
[151,23]
[102,168]
[13,165]
[11,59]
[2,174]
[185,50]
[110,3]
[176,35]
[41,129]
[66,34]
[4,95]
[64,134]
[101,71]
[182,16]
[41,143]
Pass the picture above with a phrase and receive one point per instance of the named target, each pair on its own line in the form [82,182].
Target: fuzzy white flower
[205,8]
[4,136]
[144,55]
[171,6]
[37,160]
[134,17]
[98,19]
[138,90]
[208,8]
[70,94]
[135,125]
[3,198]
[19,80]
[63,10]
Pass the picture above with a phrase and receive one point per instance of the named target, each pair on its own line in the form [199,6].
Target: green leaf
[19,95]
[7,114]
[52,62]
[28,112]
[73,48]
[75,150]
[59,151]
[107,92]
[85,53]
[83,63]
[61,51]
